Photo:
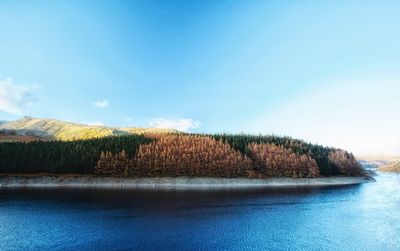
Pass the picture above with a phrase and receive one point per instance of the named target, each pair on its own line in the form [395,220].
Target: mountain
[378,157]
[373,163]
[393,166]
[63,130]
[376,160]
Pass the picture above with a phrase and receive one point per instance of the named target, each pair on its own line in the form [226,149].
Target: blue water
[362,217]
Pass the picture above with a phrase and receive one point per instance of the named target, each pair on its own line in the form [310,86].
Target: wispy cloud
[95,123]
[15,98]
[101,103]
[183,124]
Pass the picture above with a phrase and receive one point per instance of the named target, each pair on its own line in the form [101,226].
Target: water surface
[360,217]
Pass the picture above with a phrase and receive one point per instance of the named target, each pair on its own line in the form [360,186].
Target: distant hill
[376,160]
[373,163]
[378,157]
[63,130]
[21,138]
[393,166]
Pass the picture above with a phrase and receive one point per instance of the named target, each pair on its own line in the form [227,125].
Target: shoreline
[24,181]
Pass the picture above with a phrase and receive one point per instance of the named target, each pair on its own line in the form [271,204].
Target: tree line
[78,156]
[319,153]
[177,155]
[154,155]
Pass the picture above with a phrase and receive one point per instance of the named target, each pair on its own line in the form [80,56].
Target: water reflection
[363,217]
[379,209]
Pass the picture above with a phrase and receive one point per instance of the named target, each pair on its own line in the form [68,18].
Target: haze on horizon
[327,72]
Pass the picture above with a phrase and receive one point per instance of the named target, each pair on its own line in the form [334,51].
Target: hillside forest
[179,154]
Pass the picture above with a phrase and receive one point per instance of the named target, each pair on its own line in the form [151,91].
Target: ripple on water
[364,217]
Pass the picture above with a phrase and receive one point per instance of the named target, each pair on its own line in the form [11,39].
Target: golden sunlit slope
[63,130]
[391,167]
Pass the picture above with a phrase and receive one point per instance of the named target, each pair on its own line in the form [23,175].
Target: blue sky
[325,71]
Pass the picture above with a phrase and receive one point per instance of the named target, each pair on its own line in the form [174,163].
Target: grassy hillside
[23,135]
[63,130]
[20,138]
[391,167]
[150,152]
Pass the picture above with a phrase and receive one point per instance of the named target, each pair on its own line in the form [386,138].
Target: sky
[324,71]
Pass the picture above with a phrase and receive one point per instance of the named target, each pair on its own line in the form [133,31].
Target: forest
[78,156]
[179,154]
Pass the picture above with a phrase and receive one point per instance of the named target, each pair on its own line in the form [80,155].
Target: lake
[359,217]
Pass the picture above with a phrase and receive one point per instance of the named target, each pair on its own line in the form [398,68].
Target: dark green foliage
[78,156]
[81,156]
[319,153]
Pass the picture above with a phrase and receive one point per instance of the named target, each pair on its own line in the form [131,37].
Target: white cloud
[100,103]
[15,98]
[96,123]
[183,125]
